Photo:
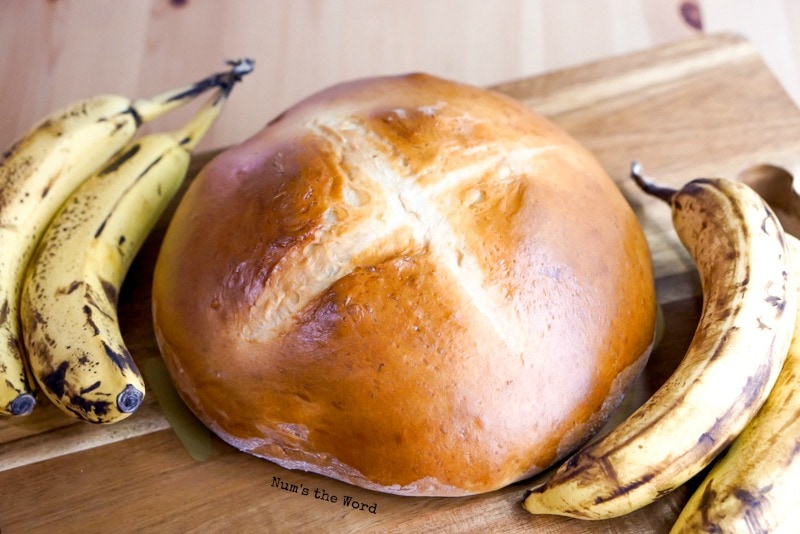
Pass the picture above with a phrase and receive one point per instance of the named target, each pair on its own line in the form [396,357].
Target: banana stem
[147,109]
[225,80]
[658,191]
[192,132]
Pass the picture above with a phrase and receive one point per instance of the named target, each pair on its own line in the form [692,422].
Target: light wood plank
[58,51]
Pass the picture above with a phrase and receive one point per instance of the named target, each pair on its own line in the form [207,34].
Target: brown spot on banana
[120,160]
[53,381]
[87,311]
[90,388]
[776,301]
[15,346]
[95,409]
[121,357]
[10,151]
[110,291]
[709,495]
[70,288]
[622,490]
[756,520]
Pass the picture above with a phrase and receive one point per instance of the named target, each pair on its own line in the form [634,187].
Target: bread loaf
[408,284]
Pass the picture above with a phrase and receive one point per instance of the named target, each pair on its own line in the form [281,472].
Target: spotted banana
[70,294]
[755,487]
[37,174]
[731,364]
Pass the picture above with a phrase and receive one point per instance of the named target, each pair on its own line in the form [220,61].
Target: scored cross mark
[387,212]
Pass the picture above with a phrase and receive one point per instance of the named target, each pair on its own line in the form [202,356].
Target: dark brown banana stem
[658,191]
[225,79]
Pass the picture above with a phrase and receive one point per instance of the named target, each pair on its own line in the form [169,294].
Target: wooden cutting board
[702,107]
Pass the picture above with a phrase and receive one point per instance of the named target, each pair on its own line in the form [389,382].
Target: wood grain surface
[56,51]
[700,107]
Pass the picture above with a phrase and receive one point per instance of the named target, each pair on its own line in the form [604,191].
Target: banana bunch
[730,368]
[60,202]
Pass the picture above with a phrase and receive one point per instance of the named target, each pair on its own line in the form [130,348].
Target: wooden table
[701,107]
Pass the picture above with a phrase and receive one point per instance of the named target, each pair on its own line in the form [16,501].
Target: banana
[732,363]
[38,173]
[755,487]
[68,306]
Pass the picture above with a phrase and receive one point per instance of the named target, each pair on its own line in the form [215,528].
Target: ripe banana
[741,342]
[755,487]
[37,174]
[69,297]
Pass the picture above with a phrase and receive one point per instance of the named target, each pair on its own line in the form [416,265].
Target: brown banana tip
[531,491]
[658,191]
[239,68]
[243,66]
[23,404]
[130,399]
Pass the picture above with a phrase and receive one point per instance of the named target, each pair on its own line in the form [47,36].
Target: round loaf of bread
[408,284]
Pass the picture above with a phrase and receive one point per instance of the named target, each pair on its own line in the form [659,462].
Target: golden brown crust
[408,284]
